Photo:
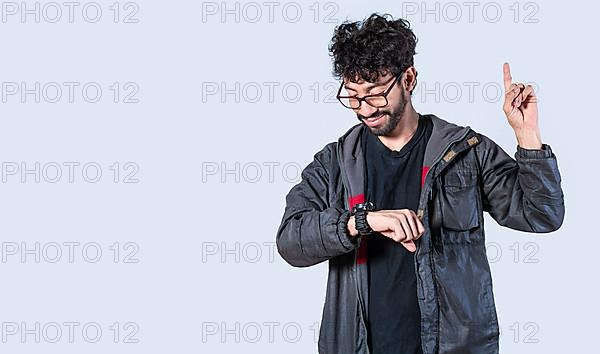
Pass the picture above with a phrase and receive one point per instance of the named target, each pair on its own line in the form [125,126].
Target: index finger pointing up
[507,77]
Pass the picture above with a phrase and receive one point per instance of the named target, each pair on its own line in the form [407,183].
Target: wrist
[529,139]
[359,213]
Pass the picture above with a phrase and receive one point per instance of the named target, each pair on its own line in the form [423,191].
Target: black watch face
[368,206]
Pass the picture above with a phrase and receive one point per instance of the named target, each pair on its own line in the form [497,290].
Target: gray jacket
[468,174]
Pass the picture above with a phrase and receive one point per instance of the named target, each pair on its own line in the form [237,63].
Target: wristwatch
[360,212]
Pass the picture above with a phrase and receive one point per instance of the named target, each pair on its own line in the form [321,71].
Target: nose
[366,110]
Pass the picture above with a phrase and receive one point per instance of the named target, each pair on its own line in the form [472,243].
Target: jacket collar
[442,135]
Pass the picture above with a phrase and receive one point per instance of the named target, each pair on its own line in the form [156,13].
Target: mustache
[361,117]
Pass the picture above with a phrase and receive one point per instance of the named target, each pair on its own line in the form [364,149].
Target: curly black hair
[369,49]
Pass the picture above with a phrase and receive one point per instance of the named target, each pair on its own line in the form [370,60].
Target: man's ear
[409,81]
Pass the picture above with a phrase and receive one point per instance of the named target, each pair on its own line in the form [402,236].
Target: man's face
[381,121]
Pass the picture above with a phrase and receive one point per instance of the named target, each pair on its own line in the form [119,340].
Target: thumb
[409,245]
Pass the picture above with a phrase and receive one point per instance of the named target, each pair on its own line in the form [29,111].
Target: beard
[390,123]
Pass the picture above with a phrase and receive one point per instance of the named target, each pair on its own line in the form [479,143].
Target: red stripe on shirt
[362,251]
[424,174]
[356,199]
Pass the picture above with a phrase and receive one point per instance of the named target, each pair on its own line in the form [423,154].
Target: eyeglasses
[377,100]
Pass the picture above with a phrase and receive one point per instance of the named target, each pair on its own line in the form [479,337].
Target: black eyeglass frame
[365,98]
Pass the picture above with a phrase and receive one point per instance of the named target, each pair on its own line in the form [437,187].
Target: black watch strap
[360,212]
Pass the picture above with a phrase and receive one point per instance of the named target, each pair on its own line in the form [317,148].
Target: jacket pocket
[459,200]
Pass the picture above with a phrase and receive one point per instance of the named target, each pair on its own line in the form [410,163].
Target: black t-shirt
[394,182]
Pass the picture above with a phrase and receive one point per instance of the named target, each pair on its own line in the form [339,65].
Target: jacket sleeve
[525,194]
[312,231]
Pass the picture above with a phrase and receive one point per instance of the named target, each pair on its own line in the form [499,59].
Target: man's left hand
[520,107]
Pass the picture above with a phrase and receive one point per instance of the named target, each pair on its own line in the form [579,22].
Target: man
[396,206]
